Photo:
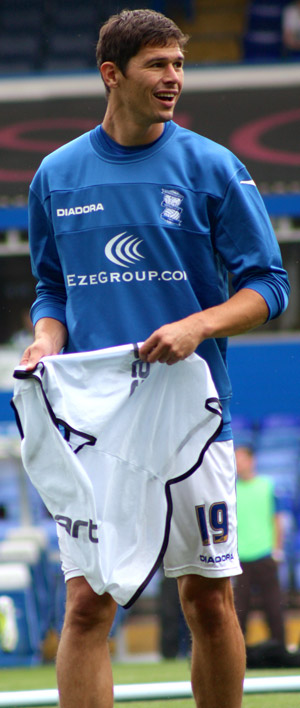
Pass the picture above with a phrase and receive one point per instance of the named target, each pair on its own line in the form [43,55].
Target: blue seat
[10,495]
[19,48]
[16,583]
[243,430]
[281,420]
[18,550]
[67,51]
[262,46]
[279,431]
[188,7]
[282,466]
[57,585]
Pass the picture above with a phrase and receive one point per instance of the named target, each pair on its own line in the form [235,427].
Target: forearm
[244,311]
[173,342]
[278,533]
[53,330]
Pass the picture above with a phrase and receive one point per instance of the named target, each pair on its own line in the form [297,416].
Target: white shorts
[203,536]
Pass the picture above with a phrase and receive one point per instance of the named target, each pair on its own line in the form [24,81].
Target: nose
[170,73]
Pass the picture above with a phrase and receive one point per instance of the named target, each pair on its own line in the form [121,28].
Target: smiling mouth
[165,97]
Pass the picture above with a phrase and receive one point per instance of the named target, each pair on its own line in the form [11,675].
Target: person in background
[259,545]
[174,636]
[291,30]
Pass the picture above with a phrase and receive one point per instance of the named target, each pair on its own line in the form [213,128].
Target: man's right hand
[50,337]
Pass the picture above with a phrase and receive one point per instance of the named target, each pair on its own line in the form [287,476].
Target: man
[291,30]
[260,542]
[133,229]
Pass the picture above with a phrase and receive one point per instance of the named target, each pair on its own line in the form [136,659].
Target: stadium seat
[279,463]
[11,499]
[82,18]
[39,536]
[16,583]
[281,420]
[16,550]
[265,17]
[263,40]
[19,49]
[262,46]
[185,6]
[21,18]
[279,431]
[244,432]
[70,51]
[57,586]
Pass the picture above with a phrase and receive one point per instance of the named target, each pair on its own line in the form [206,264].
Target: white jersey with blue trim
[125,240]
[104,438]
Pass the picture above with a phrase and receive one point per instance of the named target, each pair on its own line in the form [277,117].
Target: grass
[40,677]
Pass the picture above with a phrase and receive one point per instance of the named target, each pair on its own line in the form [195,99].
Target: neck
[128,133]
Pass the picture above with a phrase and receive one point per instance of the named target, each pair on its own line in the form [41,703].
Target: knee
[207,604]
[86,610]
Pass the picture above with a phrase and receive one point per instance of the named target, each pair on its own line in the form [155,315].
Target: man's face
[244,463]
[152,84]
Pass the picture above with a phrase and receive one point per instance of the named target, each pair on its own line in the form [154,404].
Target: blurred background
[242,90]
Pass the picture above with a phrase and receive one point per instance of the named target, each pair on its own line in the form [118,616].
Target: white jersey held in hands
[104,438]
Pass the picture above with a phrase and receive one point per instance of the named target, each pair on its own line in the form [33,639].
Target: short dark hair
[123,35]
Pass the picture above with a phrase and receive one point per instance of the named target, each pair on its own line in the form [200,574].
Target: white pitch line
[149,691]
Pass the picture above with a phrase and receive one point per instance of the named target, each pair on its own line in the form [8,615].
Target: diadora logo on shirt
[122,250]
[171,204]
[84,209]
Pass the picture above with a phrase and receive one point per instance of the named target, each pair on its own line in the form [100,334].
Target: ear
[110,73]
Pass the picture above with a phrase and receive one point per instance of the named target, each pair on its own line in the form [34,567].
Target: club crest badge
[171,204]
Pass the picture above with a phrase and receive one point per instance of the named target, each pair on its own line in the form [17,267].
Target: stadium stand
[53,36]
[263,30]
[263,39]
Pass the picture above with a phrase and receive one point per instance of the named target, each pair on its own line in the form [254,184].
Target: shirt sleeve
[246,242]
[45,263]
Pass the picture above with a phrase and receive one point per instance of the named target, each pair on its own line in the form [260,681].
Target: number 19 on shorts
[213,523]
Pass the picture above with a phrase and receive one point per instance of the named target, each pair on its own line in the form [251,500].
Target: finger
[168,356]
[29,360]
[146,348]
[151,353]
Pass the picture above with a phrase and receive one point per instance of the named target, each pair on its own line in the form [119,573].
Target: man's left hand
[171,343]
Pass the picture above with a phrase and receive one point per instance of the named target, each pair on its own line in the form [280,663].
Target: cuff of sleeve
[57,313]
[270,297]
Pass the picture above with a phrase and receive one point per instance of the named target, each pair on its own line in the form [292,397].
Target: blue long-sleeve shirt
[124,240]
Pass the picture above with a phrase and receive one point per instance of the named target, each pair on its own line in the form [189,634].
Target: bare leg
[83,664]
[218,653]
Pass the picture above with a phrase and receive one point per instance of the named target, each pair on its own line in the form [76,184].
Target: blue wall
[265,376]
[6,411]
